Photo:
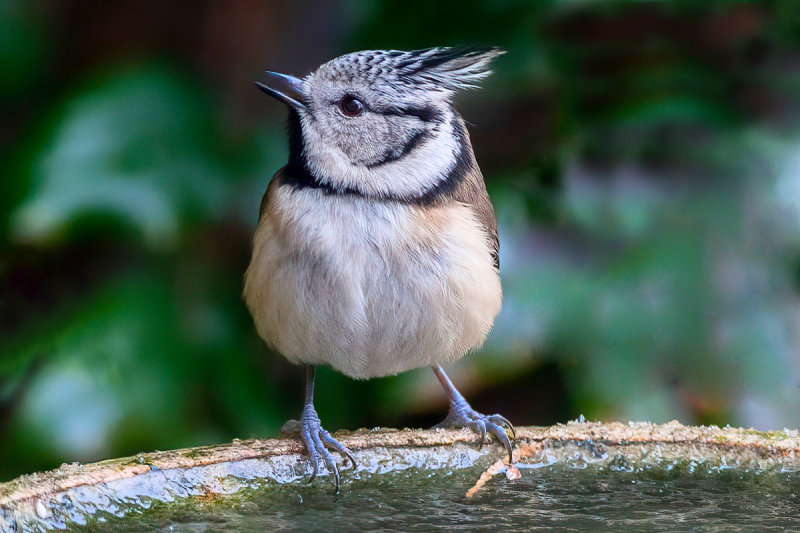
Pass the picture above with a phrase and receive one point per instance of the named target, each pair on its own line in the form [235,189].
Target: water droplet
[577,461]
[620,464]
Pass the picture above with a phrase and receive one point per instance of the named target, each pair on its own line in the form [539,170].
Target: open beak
[287,89]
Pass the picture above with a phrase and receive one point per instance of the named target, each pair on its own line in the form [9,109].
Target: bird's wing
[472,192]
[273,184]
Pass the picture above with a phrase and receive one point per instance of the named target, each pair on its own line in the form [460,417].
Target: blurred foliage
[644,160]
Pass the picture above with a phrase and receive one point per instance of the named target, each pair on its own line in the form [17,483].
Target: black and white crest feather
[450,68]
[442,68]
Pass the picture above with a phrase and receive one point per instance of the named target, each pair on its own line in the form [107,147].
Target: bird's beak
[287,89]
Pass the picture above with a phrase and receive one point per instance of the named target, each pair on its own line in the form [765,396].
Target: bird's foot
[462,415]
[317,441]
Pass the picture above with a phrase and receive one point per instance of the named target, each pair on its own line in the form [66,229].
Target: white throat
[411,175]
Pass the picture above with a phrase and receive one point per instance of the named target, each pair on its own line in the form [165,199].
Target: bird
[376,248]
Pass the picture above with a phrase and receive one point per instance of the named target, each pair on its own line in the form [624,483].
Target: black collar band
[298,176]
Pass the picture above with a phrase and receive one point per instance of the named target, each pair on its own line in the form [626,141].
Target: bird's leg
[316,439]
[462,415]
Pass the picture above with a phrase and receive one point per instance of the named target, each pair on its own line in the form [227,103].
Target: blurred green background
[644,160]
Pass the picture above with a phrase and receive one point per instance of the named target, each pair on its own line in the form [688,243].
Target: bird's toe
[462,415]
[317,441]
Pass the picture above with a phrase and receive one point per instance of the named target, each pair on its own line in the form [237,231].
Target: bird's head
[380,122]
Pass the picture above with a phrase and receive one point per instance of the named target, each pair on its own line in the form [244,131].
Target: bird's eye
[350,106]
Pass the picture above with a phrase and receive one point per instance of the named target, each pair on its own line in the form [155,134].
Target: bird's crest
[449,68]
[441,68]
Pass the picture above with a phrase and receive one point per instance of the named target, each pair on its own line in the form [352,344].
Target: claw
[462,415]
[481,424]
[317,441]
[331,464]
[500,435]
[339,447]
[314,466]
[503,421]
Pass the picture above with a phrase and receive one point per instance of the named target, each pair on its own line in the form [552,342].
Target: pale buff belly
[371,290]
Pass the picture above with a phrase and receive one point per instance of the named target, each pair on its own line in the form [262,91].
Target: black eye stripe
[424,113]
[427,114]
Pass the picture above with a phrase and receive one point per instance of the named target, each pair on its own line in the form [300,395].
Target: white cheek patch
[411,175]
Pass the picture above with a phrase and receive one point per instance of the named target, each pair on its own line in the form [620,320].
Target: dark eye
[350,106]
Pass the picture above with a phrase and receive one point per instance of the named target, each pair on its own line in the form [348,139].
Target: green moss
[767,435]
[195,453]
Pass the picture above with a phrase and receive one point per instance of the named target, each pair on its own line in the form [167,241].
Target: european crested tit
[376,250]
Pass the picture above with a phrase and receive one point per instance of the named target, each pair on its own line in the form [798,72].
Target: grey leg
[462,415]
[316,439]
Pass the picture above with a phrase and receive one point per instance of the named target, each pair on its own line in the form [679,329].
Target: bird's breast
[371,288]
